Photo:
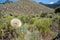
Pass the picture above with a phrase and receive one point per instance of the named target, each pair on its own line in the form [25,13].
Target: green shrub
[5,23]
[34,19]
[25,19]
[43,14]
[56,18]
[43,24]
[57,10]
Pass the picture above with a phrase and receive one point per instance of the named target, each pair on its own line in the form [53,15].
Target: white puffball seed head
[16,23]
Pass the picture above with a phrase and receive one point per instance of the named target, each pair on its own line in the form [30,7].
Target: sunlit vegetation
[30,25]
[37,21]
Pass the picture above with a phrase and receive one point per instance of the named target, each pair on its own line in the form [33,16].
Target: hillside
[24,7]
[55,5]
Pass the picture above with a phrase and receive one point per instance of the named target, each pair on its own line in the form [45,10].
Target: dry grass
[24,7]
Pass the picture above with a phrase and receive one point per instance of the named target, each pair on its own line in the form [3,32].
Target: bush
[5,24]
[25,18]
[43,24]
[57,10]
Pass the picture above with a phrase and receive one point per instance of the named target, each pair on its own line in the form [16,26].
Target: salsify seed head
[16,23]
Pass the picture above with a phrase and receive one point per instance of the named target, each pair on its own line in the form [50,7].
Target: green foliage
[34,19]
[33,35]
[35,25]
[43,14]
[5,23]
[50,15]
[24,18]
[43,24]
[54,35]
[56,17]
[22,31]
[6,19]
[57,10]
